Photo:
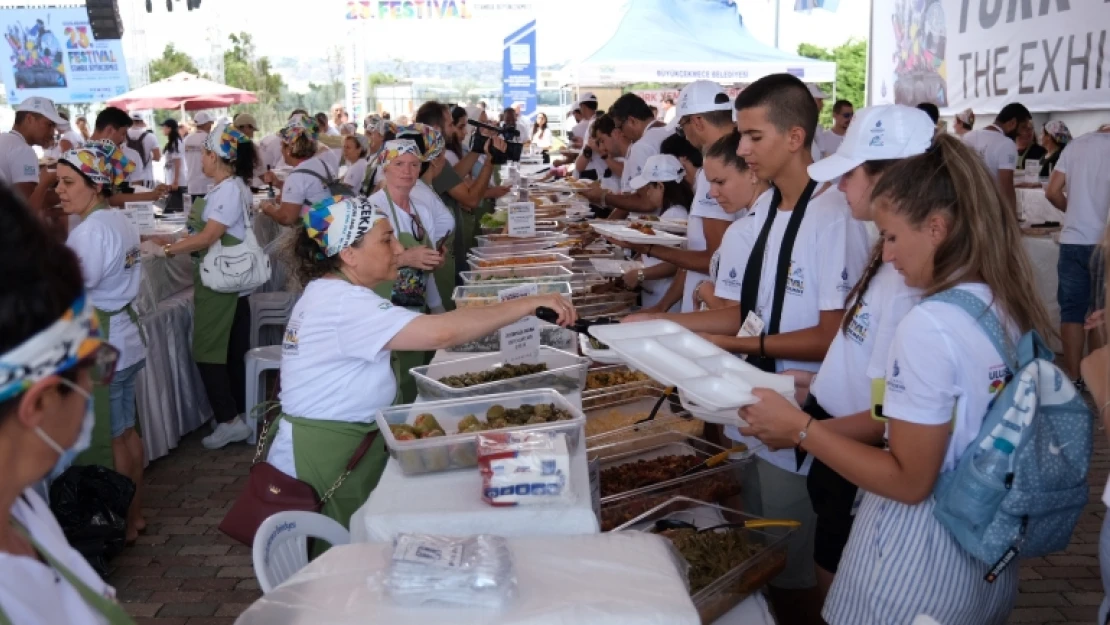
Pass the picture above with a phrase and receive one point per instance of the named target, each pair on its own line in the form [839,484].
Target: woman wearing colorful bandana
[221,322]
[50,357]
[1056,138]
[335,365]
[374,131]
[306,184]
[108,247]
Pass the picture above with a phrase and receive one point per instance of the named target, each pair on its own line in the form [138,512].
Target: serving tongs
[663,525]
[715,460]
[582,326]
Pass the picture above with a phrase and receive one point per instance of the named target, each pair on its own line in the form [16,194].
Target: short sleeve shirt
[18,162]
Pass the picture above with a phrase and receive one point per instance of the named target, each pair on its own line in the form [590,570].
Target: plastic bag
[473,572]
[524,468]
[90,503]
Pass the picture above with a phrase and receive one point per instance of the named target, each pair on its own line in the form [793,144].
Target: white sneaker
[231,432]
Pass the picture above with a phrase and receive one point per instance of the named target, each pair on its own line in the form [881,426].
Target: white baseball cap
[136,116]
[877,133]
[658,168]
[588,97]
[45,107]
[203,117]
[701,96]
[816,92]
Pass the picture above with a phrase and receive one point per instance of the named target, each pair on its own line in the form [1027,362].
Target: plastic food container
[748,576]
[473,295]
[519,275]
[565,373]
[460,451]
[538,259]
[511,248]
[613,417]
[595,299]
[502,239]
[713,484]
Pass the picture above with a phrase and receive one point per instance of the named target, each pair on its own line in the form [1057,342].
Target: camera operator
[451,182]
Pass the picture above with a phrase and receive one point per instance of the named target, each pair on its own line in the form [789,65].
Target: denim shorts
[1073,291]
[121,398]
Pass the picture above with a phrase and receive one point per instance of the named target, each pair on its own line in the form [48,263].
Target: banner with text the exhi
[51,53]
[1050,55]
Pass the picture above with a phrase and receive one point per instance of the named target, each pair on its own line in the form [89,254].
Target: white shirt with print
[942,363]
[193,146]
[639,152]
[18,161]
[150,143]
[301,186]
[997,150]
[1085,163]
[704,207]
[659,287]
[334,364]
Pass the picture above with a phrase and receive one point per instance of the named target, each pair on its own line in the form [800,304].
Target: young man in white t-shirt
[142,140]
[35,122]
[193,145]
[777,117]
[995,144]
[634,119]
[828,141]
[111,125]
[608,145]
[1079,186]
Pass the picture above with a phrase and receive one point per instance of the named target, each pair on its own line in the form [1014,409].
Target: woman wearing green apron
[51,354]
[108,247]
[335,366]
[221,321]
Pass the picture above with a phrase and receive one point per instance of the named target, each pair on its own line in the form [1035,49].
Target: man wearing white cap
[587,108]
[704,114]
[669,192]
[36,119]
[198,183]
[145,144]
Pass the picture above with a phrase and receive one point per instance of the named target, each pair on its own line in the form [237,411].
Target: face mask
[84,438]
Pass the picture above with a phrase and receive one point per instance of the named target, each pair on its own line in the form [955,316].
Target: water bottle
[976,500]
[994,463]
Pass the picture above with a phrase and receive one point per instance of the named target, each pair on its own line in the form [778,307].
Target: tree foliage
[171,62]
[851,73]
[244,69]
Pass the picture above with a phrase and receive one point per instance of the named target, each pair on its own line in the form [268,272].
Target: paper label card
[522,219]
[142,214]
[520,341]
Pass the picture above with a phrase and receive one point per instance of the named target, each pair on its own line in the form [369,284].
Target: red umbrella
[182,90]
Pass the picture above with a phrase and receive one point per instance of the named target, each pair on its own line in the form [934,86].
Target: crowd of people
[812,252]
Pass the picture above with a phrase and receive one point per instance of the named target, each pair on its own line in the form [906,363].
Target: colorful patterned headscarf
[432,138]
[299,125]
[392,149]
[1059,132]
[55,349]
[225,141]
[374,122]
[102,162]
[335,223]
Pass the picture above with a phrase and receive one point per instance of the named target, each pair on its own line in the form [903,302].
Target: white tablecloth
[451,503]
[624,578]
[1044,253]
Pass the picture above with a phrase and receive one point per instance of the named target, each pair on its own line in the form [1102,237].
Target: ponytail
[855,296]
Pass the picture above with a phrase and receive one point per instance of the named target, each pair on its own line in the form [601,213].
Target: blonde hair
[984,238]
[302,146]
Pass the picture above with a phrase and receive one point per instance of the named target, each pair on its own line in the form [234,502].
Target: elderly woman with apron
[336,357]
[221,321]
[108,247]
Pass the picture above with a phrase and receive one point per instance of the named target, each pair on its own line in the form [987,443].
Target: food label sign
[522,219]
[520,341]
[141,214]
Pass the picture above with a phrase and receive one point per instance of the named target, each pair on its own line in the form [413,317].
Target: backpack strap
[987,320]
[314,174]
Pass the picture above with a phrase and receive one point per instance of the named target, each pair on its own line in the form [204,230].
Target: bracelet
[804,433]
[639,276]
[762,346]
[166,250]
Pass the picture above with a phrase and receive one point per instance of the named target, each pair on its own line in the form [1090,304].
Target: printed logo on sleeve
[30,170]
[131,258]
[998,377]
[731,281]
[844,287]
[290,345]
[893,383]
[795,280]
[860,323]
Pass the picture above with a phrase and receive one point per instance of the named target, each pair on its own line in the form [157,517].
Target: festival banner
[430,9]
[1050,55]
[52,53]
[518,69]
[655,97]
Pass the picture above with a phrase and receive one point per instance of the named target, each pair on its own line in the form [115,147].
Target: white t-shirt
[998,151]
[226,203]
[542,138]
[168,160]
[198,183]
[136,177]
[659,287]
[668,117]
[581,130]
[31,591]
[108,247]
[150,144]
[705,207]
[18,162]
[940,360]
[524,127]
[302,186]
[827,259]
[355,175]
[827,141]
[843,384]
[433,215]
[334,365]
[75,139]
[270,149]
[639,152]
[332,131]
[1085,164]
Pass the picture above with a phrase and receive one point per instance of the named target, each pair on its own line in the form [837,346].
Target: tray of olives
[488,374]
[430,437]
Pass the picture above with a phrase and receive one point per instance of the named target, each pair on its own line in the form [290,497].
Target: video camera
[510,135]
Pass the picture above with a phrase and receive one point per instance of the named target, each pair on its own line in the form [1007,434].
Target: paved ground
[183,571]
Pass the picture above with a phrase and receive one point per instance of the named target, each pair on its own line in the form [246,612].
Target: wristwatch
[166,250]
[639,276]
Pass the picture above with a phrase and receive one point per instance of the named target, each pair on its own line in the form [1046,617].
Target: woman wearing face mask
[944,226]
[355,150]
[50,357]
[108,247]
[221,321]
[737,190]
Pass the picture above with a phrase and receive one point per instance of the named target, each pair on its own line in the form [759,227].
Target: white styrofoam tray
[613,268]
[624,233]
[708,375]
[602,356]
[675,226]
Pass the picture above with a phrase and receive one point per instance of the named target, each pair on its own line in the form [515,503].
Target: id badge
[878,391]
[753,326]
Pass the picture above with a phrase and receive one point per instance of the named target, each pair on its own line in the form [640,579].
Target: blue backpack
[1040,428]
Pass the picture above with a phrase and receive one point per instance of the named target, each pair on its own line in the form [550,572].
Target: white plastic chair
[258,360]
[925,619]
[281,544]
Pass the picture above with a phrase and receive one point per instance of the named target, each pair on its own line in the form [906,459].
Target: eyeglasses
[101,364]
[848,115]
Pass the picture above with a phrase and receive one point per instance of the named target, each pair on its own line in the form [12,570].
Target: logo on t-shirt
[30,170]
[860,323]
[893,383]
[999,376]
[290,345]
[385,305]
[131,258]
[731,281]
[844,287]
[795,280]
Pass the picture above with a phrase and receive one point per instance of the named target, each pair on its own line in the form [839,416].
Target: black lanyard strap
[753,271]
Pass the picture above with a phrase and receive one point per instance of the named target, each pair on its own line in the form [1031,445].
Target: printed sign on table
[141,215]
[522,219]
[520,341]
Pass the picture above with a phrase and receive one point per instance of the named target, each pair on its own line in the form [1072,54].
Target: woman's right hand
[643,315]
[420,257]
[561,305]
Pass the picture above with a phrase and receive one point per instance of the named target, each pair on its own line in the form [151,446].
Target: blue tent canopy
[685,40]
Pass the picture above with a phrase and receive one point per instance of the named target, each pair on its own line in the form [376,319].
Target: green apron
[110,609]
[402,362]
[321,451]
[213,313]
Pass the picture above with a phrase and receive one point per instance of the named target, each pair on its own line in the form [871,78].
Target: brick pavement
[183,571]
